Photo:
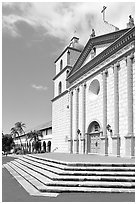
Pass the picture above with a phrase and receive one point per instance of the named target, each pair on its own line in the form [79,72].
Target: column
[76,139]
[83,118]
[130,139]
[70,140]
[104,138]
[116,137]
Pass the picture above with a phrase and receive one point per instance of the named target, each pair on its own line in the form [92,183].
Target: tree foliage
[7,142]
[18,130]
[34,135]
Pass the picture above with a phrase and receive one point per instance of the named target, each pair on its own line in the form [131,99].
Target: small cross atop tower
[103,11]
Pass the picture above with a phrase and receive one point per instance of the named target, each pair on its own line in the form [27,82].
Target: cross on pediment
[103,11]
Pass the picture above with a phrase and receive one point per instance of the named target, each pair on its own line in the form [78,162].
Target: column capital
[117,64]
[125,58]
[76,89]
[71,92]
[132,56]
[104,72]
[83,84]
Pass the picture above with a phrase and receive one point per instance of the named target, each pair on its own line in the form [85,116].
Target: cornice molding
[64,69]
[100,70]
[59,96]
[125,39]
[67,48]
[99,40]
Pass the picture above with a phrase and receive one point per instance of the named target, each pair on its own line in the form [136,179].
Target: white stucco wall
[60,124]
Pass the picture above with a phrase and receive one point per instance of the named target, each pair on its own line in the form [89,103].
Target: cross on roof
[103,11]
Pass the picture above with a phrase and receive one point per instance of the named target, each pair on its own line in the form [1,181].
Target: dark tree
[7,143]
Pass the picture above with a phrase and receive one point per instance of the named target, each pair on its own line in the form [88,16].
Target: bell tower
[64,64]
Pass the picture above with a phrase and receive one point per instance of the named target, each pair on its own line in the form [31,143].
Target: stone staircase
[48,175]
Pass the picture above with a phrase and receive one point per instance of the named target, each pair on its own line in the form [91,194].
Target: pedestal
[116,146]
[103,145]
[82,146]
[70,145]
[130,146]
[75,146]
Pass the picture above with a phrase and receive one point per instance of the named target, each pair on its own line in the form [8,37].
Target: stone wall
[60,124]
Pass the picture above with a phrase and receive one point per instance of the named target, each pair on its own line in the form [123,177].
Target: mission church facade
[94,89]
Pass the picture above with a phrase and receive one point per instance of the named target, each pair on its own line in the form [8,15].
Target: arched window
[49,146]
[67,72]
[60,87]
[61,64]
[68,57]
[44,146]
[94,50]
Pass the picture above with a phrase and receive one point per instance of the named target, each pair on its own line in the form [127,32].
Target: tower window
[61,64]
[68,57]
[67,72]
[94,50]
[60,87]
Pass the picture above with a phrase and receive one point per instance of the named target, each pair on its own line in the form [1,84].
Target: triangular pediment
[100,43]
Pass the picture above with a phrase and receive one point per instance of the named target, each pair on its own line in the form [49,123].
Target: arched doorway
[93,140]
[49,146]
[44,146]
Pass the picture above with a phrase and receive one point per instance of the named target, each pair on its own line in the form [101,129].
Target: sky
[33,36]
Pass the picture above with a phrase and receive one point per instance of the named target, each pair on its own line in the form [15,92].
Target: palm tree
[19,126]
[34,135]
[17,130]
[20,129]
[15,134]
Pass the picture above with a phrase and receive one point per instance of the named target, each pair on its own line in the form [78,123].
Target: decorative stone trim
[103,66]
[129,136]
[114,47]
[67,48]
[99,40]
[59,96]
[63,70]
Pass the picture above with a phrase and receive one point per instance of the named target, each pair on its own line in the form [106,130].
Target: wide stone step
[61,181]
[95,184]
[74,178]
[23,182]
[97,168]
[58,189]
[96,178]
[80,164]
[31,179]
[55,171]
[41,183]
[41,174]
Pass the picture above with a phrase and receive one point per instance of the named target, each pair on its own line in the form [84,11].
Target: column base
[130,145]
[104,146]
[116,145]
